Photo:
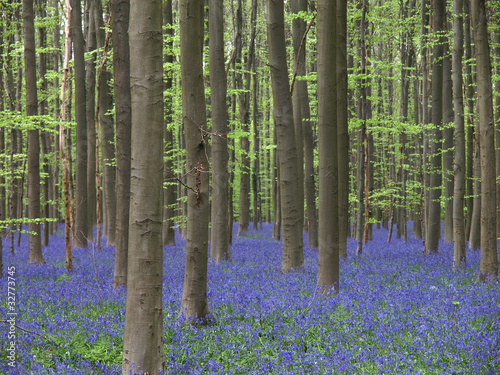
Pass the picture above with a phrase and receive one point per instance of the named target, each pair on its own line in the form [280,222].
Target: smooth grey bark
[107,135]
[293,257]
[35,244]
[219,245]
[497,113]
[194,304]
[424,15]
[120,10]
[328,258]
[448,154]
[276,189]
[143,334]
[342,126]
[169,191]
[298,31]
[488,267]
[303,125]
[459,162]
[434,219]
[81,222]
[470,95]
[244,117]
[90,71]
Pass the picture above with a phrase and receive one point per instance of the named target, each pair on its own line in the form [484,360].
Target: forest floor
[398,312]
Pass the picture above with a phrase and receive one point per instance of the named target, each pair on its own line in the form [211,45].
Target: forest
[249,186]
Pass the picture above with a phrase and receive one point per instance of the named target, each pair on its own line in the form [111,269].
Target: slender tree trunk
[459,162]
[469,91]
[143,334]
[448,154]
[35,244]
[497,113]
[91,44]
[81,219]
[292,222]
[276,190]
[488,268]
[194,304]
[169,196]
[328,261]
[219,245]
[107,133]
[434,224]
[121,66]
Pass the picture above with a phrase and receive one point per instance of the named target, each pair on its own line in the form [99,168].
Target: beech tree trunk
[328,261]
[293,257]
[121,67]
[434,221]
[488,268]
[342,126]
[81,220]
[219,244]
[35,244]
[194,304]
[143,334]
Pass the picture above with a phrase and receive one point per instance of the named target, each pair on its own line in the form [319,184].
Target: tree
[459,164]
[82,220]
[488,268]
[303,124]
[283,116]
[35,244]
[434,220]
[121,65]
[219,245]
[194,304]
[342,126]
[328,261]
[142,342]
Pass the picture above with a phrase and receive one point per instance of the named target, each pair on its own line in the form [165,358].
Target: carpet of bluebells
[398,312]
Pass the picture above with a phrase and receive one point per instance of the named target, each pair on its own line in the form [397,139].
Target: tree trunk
[434,222]
[469,190]
[81,219]
[194,305]
[448,119]
[35,244]
[303,124]
[121,66]
[342,126]
[293,257]
[90,108]
[276,189]
[459,162]
[244,115]
[328,258]
[488,268]
[219,245]
[143,334]
[107,133]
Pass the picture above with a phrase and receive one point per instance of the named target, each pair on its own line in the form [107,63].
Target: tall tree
[242,81]
[35,244]
[459,163]
[434,220]
[488,268]
[303,124]
[194,304]
[328,261]
[342,126]
[142,342]
[81,220]
[121,66]
[219,245]
[293,256]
